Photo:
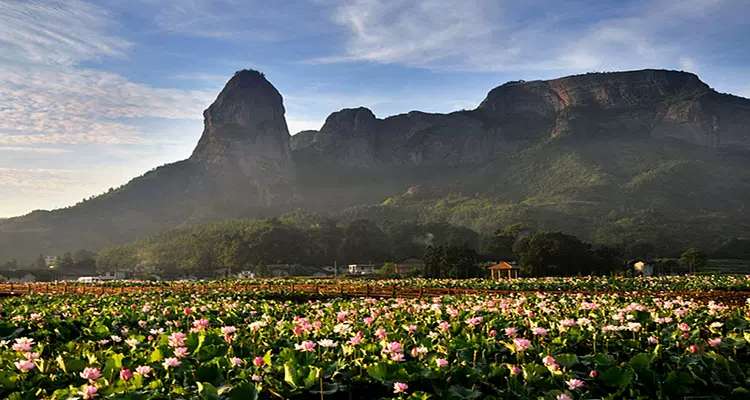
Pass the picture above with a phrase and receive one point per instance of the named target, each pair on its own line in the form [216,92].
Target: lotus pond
[241,346]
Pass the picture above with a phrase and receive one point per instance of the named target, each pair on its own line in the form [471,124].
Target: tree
[324,243]
[40,263]
[553,254]
[261,271]
[387,269]
[434,260]
[83,255]
[66,261]
[640,250]
[605,260]
[233,251]
[450,262]
[500,244]
[365,242]
[693,259]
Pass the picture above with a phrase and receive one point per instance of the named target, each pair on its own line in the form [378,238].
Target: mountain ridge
[247,165]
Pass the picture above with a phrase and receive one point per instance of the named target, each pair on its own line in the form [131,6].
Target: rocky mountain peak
[245,128]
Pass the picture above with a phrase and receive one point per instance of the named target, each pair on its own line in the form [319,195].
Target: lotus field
[229,345]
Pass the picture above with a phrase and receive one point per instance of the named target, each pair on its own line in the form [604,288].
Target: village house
[362,269]
[408,265]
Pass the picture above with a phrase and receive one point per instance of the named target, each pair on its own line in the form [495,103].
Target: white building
[644,269]
[50,260]
[361,269]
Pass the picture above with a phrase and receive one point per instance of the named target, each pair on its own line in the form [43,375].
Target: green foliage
[387,269]
[559,254]
[693,259]
[451,262]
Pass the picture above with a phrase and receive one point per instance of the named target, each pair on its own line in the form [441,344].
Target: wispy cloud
[56,31]
[234,20]
[47,98]
[69,105]
[43,150]
[488,35]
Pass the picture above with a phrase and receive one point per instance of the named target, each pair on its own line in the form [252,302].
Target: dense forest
[313,239]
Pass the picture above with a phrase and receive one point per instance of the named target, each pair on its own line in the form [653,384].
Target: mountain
[640,155]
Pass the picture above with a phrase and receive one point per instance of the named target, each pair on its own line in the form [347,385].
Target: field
[553,338]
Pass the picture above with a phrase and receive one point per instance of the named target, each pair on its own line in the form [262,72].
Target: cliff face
[636,104]
[616,140]
[245,129]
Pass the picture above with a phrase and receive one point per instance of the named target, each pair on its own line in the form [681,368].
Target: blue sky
[93,93]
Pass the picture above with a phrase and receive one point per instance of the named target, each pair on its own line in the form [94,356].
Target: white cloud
[489,35]
[689,64]
[44,150]
[56,31]
[47,98]
[71,105]
[235,20]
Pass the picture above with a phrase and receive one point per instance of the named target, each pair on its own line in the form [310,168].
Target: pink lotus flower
[256,378]
[142,323]
[355,340]
[381,333]
[400,387]
[684,327]
[393,347]
[515,370]
[177,339]
[181,352]
[35,356]
[441,362]
[694,349]
[653,340]
[235,361]
[521,344]
[125,374]
[188,311]
[574,384]
[171,362]
[305,346]
[368,320]
[200,324]
[25,365]
[444,326]
[493,333]
[539,331]
[397,357]
[228,330]
[91,374]
[714,342]
[417,351]
[593,374]
[563,396]
[511,332]
[143,370]
[23,345]
[549,360]
[88,392]
[258,361]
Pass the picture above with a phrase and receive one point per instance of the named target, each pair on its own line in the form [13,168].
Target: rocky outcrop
[245,129]
[647,103]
